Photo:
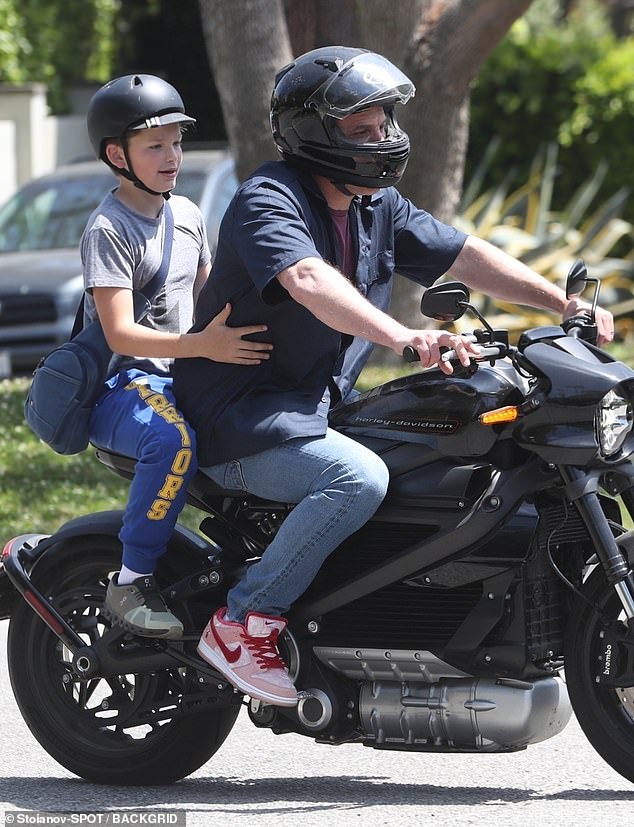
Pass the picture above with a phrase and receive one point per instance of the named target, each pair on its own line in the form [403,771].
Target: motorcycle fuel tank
[434,409]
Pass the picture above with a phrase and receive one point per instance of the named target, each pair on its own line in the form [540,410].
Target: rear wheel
[605,714]
[128,729]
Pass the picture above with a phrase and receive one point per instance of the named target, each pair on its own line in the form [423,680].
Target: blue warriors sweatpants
[137,416]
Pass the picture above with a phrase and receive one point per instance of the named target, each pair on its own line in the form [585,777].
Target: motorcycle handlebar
[410,354]
[581,327]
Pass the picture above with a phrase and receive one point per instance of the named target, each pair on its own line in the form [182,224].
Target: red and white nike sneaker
[248,657]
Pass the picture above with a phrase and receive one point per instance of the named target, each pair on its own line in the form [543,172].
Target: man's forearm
[489,270]
[332,299]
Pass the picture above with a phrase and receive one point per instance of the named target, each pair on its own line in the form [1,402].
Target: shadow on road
[317,793]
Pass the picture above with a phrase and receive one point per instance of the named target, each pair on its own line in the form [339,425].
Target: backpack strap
[151,289]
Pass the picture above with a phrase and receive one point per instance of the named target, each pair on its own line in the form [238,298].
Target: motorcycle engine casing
[478,714]
[412,700]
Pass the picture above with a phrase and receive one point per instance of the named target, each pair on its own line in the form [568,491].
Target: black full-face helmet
[129,103]
[316,91]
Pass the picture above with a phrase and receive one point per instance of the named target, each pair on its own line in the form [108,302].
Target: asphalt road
[262,780]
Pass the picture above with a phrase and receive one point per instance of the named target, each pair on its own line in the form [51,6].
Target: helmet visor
[162,119]
[386,127]
[366,80]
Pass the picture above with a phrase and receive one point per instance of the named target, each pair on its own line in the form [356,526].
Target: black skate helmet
[128,103]
[318,89]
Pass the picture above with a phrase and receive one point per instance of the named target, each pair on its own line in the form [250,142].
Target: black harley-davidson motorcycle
[490,596]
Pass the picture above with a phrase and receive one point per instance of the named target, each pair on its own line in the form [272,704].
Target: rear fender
[28,545]
[22,554]
[108,524]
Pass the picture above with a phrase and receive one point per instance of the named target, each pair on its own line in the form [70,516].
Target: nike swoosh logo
[231,655]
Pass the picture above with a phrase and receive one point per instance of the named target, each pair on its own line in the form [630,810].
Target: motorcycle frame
[497,503]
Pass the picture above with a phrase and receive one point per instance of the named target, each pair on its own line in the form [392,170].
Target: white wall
[9,177]
[31,141]
[68,140]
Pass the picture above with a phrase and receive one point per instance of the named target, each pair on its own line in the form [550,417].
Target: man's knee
[376,478]
[368,477]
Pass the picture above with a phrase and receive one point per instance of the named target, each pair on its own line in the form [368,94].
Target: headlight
[613,422]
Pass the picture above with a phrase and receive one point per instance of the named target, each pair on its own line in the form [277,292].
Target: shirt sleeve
[107,259]
[271,233]
[424,248]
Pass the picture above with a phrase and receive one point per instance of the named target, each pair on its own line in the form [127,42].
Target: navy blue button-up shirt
[277,218]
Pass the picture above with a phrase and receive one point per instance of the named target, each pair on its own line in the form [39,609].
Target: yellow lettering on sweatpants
[171,415]
[171,487]
[182,461]
[158,402]
[159,510]
[173,483]
[143,390]
[182,429]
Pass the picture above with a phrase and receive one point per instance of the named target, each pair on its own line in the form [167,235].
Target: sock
[126,576]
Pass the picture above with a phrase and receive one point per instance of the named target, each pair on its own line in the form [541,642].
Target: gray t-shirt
[122,248]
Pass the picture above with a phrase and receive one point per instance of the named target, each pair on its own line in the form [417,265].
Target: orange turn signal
[507,414]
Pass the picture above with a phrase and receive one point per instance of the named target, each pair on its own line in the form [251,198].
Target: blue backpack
[66,384]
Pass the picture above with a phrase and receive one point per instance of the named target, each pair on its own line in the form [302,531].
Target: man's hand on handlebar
[602,318]
[428,344]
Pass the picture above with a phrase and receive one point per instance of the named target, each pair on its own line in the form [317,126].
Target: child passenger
[135,124]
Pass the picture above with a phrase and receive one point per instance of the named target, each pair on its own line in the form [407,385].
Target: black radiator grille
[30,308]
[563,533]
[544,594]
[545,613]
[400,617]
[559,525]
[372,545]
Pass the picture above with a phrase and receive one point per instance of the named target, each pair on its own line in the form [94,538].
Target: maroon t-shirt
[345,244]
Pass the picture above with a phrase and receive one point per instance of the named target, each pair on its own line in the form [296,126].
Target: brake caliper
[616,657]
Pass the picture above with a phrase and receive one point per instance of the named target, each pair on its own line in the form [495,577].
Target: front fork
[581,488]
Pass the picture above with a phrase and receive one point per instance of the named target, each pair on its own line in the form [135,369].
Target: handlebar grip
[410,354]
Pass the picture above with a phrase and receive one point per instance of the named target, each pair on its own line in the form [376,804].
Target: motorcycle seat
[201,483]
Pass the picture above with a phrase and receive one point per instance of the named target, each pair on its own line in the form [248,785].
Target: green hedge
[569,82]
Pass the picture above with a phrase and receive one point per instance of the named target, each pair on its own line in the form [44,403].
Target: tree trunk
[440,45]
[247,43]
[328,22]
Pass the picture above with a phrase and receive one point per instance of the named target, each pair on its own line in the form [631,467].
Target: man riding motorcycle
[309,246]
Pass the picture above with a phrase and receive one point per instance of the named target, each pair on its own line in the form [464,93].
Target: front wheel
[605,714]
[152,728]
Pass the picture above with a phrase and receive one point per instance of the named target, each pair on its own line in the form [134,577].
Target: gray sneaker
[139,607]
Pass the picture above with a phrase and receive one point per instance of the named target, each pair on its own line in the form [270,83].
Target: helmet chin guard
[317,91]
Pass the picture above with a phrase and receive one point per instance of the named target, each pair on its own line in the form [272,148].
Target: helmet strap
[343,188]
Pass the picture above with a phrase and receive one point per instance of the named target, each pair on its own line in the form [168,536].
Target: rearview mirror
[577,279]
[445,302]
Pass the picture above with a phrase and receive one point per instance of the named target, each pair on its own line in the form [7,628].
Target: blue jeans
[337,485]
[138,417]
